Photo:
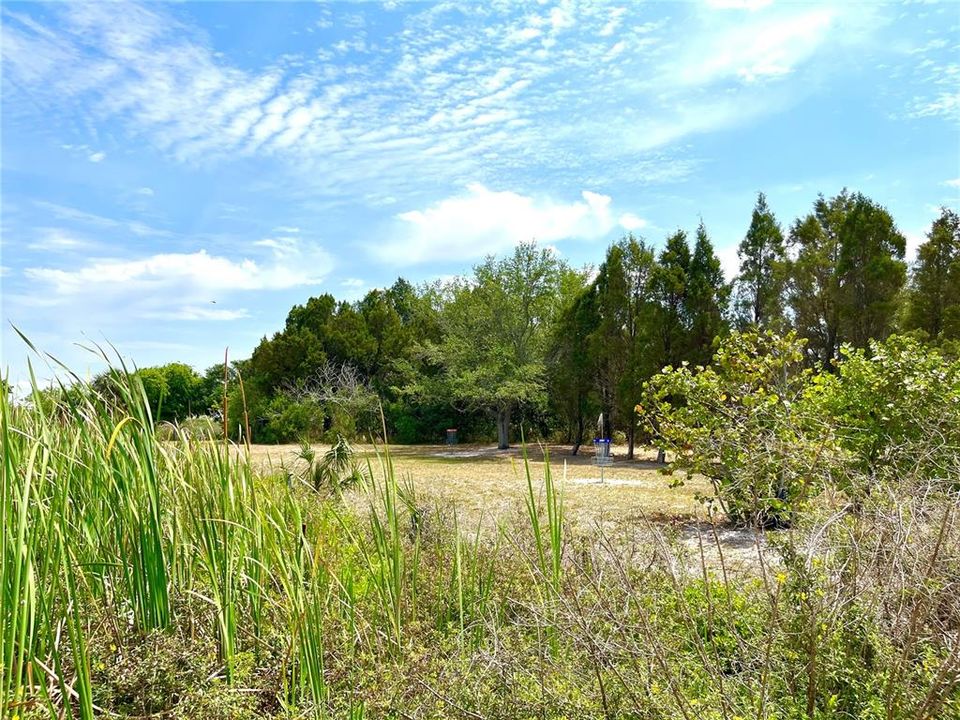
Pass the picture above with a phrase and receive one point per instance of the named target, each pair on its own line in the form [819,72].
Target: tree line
[527,341]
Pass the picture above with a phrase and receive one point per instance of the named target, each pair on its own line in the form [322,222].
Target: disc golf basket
[601,454]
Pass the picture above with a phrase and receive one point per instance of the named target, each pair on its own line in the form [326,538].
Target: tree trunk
[631,439]
[661,456]
[503,428]
[579,438]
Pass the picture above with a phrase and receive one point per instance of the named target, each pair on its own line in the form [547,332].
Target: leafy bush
[739,422]
[288,420]
[895,410]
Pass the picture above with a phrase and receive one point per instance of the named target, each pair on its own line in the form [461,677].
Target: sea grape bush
[770,432]
[739,422]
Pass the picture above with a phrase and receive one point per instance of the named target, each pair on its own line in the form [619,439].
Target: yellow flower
[781,578]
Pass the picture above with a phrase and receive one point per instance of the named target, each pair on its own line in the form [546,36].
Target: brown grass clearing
[483,481]
[487,486]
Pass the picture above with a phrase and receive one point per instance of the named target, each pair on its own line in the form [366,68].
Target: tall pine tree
[611,346]
[669,285]
[572,366]
[761,281]
[935,281]
[871,270]
[707,299]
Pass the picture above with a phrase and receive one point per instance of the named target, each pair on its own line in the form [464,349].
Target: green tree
[496,331]
[622,339]
[934,305]
[609,339]
[814,285]
[761,282]
[174,391]
[572,366]
[707,299]
[669,281]
[847,275]
[871,270]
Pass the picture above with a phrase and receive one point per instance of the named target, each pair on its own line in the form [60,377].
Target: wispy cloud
[58,240]
[96,157]
[195,312]
[453,94]
[738,4]
[944,104]
[64,212]
[630,222]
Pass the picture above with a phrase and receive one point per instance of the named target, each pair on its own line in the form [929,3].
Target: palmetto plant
[336,470]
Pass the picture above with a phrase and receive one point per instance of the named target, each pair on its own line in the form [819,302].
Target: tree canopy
[526,342]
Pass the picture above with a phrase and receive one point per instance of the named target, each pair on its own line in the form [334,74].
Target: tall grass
[285,602]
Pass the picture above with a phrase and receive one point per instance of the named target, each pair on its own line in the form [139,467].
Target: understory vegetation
[149,577]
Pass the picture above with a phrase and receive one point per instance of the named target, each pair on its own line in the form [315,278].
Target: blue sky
[176,176]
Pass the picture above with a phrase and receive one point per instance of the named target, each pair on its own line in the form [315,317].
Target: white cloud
[615,18]
[472,94]
[765,47]
[196,312]
[954,183]
[353,283]
[615,50]
[194,274]
[145,191]
[629,221]
[97,157]
[63,212]
[915,238]
[282,247]
[945,104]
[523,35]
[729,260]
[561,16]
[483,221]
[287,229]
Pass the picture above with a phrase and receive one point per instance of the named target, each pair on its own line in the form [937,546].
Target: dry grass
[486,483]
[487,486]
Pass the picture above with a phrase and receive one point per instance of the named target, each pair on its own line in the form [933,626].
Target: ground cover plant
[175,576]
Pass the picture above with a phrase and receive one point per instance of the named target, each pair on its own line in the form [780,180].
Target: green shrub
[895,410]
[739,422]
